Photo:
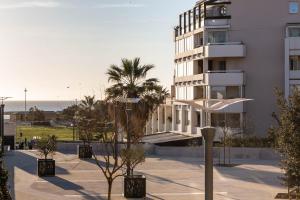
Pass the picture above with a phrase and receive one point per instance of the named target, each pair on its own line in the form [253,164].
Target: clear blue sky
[49,45]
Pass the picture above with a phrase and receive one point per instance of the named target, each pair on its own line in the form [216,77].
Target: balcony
[217,78]
[197,77]
[228,49]
[293,44]
[217,23]
[294,74]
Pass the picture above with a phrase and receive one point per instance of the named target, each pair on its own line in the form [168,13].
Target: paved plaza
[167,178]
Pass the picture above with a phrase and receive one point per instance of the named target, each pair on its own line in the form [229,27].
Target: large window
[216,11]
[232,92]
[198,114]
[225,92]
[218,92]
[186,117]
[294,32]
[231,120]
[217,36]
[177,117]
[294,63]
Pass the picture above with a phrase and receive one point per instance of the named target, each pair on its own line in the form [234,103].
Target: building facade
[231,49]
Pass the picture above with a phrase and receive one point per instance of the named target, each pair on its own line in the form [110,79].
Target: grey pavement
[167,178]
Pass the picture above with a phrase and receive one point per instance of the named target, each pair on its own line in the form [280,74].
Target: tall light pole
[25,114]
[129,103]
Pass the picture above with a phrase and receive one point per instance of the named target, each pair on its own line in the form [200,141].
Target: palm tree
[129,80]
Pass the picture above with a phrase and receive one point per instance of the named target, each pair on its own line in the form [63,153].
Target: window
[294,32]
[293,7]
[222,65]
[198,119]
[177,117]
[198,40]
[232,92]
[218,119]
[218,92]
[231,120]
[186,117]
[294,63]
[216,11]
[217,37]
[210,65]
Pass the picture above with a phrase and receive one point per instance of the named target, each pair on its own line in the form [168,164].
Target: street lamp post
[25,105]
[2,126]
[209,133]
[129,102]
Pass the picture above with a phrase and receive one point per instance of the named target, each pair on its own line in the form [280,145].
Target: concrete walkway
[167,178]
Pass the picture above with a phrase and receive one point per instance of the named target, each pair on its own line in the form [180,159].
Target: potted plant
[86,120]
[134,184]
[84,150]
[46,146]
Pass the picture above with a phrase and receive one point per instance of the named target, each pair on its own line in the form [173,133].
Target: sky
[61,49]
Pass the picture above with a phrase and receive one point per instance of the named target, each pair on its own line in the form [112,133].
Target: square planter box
[46,167]
[84,151]
[135,186]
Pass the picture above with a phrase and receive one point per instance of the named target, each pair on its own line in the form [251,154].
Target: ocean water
[17,106]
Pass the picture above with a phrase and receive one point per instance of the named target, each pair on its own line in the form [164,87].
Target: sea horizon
[45,105]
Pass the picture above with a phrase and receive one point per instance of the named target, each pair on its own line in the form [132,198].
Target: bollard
[208,133]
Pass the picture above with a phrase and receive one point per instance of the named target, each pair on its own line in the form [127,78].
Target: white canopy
[212,105]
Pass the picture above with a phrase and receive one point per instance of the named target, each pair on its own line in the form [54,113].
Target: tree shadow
[24,162]
[251,175]
[70,186]
[153,178]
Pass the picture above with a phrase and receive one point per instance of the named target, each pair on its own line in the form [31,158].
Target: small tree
[88,118]
[227,126]
[69,112]
[47,145]
[36,114]
[286,137]
[105,129]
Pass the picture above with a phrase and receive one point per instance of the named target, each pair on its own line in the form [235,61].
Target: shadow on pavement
[26,162]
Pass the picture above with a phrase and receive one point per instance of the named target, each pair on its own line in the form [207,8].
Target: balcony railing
[228,77]
[225,49]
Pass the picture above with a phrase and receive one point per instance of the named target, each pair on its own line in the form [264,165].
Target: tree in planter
[130,81]
[286,138]
[46,146]
[227,125]
[88,119]
[112,160]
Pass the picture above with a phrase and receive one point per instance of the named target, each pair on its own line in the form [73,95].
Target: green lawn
[62,133]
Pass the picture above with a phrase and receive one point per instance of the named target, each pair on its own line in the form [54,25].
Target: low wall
[193,152]
[218,153]
[71,147]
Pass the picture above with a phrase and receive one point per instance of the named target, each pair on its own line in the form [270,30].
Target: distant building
[229,50]
[10,129]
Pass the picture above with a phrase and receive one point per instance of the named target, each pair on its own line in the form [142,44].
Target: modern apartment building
[231,49]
